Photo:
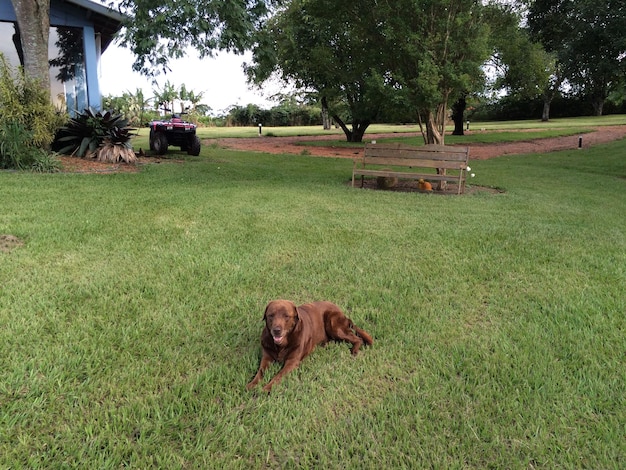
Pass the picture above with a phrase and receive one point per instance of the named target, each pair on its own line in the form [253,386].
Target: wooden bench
[446,163]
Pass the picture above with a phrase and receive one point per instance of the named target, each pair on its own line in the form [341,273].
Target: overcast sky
[220,79]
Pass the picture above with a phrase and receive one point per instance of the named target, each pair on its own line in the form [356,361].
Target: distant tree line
[287,113]
[293,111]
[513,108]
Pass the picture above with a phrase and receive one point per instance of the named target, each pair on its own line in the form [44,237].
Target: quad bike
[175,132]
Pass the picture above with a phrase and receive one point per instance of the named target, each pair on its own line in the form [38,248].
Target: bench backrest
[428,156]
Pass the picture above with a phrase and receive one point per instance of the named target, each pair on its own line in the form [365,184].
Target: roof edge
[99,9]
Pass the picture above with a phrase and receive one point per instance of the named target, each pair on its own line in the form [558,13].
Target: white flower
[473,174]
[468,169]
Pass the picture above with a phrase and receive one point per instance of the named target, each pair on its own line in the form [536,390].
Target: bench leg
[443,183]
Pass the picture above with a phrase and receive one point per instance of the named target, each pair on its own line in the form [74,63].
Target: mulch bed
[85,165]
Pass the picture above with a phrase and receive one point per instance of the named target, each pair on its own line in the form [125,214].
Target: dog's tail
[364,335]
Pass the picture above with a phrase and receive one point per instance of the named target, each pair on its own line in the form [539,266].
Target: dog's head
[281,317]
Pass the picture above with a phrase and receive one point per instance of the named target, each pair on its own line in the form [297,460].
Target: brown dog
[291,333]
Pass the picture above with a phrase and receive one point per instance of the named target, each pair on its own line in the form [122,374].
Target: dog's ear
[265,313]
[295,311]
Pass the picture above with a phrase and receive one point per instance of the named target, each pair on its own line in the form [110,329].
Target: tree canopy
[438,48]
[159,30]
[588,39]
[334,49]
[374,54]
[525,69]
[155,31]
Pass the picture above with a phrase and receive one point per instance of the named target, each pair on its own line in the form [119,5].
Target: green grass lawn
[131,316]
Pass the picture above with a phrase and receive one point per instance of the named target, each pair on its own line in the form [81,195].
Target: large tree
[372,55]
[438,48]
[588,39]
[524,68]
[332,48]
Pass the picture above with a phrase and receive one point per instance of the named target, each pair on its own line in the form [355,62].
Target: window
[67,68]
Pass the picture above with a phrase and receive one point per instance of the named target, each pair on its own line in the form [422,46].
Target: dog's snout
[276,331]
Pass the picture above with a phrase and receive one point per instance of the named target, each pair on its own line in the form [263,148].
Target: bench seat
[446,163]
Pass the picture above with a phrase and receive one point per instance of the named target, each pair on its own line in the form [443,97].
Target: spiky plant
[116,147]
[84,134]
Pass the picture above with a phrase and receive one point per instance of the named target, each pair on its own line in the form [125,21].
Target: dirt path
[290,145]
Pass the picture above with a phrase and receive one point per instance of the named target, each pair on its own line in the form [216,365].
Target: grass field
[568,126]
[131,316]
[483,137]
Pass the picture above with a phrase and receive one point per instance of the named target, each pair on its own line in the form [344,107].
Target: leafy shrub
[87,132]
[24,101]
[45,163]
[134,107]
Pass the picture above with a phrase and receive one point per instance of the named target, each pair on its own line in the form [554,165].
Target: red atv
[175,132]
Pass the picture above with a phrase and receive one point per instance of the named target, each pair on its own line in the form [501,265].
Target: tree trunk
[356,133]
[358,130]
[547,96]
[598,106]
[434,134]
[545,114]
[458,110]
[33,19]
[325,115]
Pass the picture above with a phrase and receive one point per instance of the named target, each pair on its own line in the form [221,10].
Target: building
[80,30]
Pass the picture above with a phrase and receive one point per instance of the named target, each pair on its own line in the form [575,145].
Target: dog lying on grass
[291,333]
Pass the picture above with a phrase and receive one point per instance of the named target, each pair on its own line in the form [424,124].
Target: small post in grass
[580,141]
[260,129]
[467,125]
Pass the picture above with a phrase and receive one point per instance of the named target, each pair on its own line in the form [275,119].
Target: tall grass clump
[16,146]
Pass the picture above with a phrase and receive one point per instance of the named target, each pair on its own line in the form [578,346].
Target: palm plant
[166,97]
[89,132]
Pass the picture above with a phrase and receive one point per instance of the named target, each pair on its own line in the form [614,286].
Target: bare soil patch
[292,145]
[9,243]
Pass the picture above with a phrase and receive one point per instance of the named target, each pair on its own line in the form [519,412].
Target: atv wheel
[159,143]
[194,146]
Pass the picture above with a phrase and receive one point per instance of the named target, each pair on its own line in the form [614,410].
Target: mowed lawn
[131,316]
